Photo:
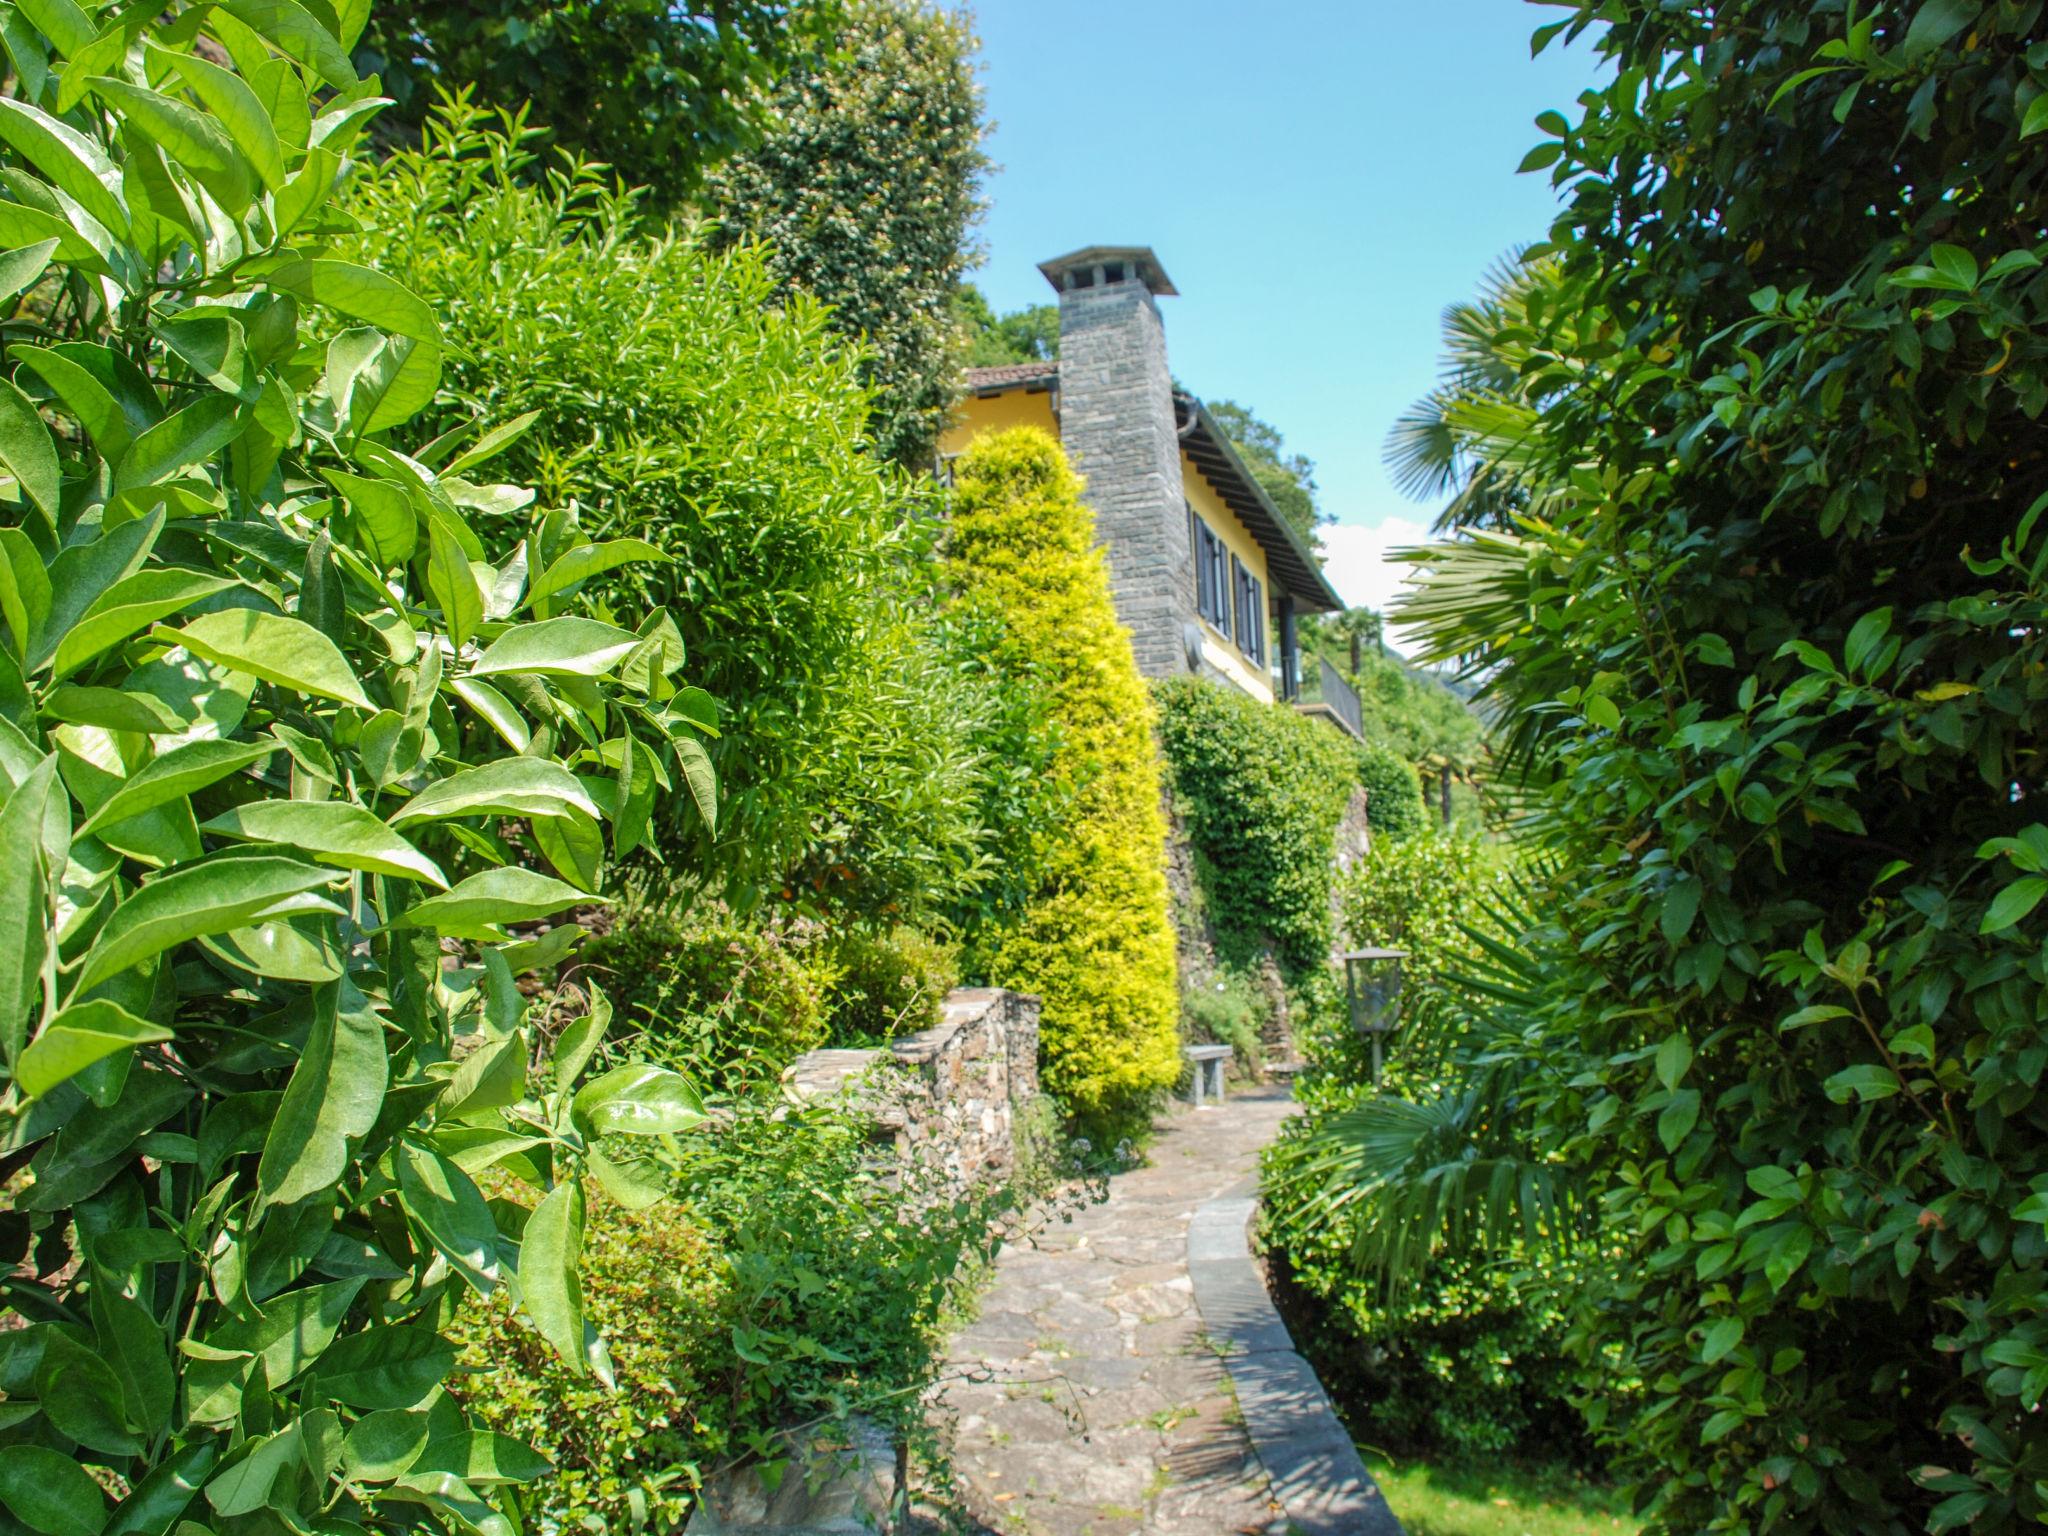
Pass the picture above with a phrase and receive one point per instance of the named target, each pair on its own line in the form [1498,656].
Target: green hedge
[1394,805]
[1095,942]
[732,1000]
[1261,790]
[685,398]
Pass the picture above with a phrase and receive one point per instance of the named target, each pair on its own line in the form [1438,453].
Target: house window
[1251,612]
[1212,575]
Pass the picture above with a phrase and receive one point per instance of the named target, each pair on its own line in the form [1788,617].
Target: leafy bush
[1782,757]
[1095,944]
[864,190]
[685,399]
[794,1279]
[655,90]
[628,1451]
[1226,1009]
[1471,1361]
[1261,791]
[733,1000]
[265,705]
[1394,806]
[888,984]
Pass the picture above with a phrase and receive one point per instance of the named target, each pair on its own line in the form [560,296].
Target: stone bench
[1208,1061]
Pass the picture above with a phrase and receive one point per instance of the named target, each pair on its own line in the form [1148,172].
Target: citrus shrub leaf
[49,1492]
[202,898]
[566,647]
[76,1038]
[331,832]
[178,773]
[637,1100]
[548,1251]
[334,1094]
[513,786]
[272,647]
[474,908]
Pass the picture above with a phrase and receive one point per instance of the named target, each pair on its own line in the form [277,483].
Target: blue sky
[1319,179]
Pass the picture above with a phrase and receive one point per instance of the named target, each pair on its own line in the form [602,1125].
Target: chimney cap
[1137,261]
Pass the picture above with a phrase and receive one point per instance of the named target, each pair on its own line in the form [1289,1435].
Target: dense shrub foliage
[266,705]
[864,190]
[1095,942]
[794,1281]
[1394,806]
[687,399]
[888,984]
[733,999]
[1261,791]
[1774,462]
[655,90]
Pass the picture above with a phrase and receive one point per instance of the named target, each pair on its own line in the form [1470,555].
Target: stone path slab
[1094,1399]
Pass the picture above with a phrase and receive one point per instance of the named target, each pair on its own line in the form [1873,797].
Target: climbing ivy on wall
[1261,791]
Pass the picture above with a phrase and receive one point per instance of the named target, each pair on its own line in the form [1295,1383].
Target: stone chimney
[1117,424]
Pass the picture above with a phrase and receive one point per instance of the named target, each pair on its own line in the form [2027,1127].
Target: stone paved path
[1105,1410]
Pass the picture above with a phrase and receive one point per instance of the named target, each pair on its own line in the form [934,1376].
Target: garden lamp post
[1372,986]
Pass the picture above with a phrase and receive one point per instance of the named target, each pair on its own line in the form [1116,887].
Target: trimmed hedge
[1394,805]
[1262,790]
[1096,943]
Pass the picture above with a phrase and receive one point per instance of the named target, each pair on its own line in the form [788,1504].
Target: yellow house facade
[1208,576]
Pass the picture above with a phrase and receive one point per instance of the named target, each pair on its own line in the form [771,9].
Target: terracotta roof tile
[1011,373]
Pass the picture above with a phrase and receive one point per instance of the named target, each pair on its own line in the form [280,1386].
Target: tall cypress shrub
[1096,943]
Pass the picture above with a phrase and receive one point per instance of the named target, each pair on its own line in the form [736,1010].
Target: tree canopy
[865,191]
[1029,335]
[657,91]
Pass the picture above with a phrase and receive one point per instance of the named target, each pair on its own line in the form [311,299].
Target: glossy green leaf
[76,1038]
[211,897]
[701,777]
[588,560]
[482,1457]
[385,1368]
[243,1486]
[27,450]
[549,1252]
[24,904]
[478,906]
[274,648]
[565,647]
[361,294]
[512,786]
[329,832]
[111,709]
[637,1100]
[449,1208]
[452,585]
[573,845]
[334,1094]
[495,708]
[50,1492]
[228,97]
[387,527]
[296,33]
[130,606]
[190,137]
[176,774]
[68,158]
[382,1445]
[193,435]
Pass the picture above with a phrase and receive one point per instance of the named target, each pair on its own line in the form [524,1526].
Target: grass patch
[1498,1500]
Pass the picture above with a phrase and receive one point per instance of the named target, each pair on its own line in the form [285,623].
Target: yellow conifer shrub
[1096,944]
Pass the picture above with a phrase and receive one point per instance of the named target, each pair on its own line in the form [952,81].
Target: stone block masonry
[959,1087]
[1117,424]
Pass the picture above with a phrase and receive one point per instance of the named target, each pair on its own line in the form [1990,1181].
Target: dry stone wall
[954,1093]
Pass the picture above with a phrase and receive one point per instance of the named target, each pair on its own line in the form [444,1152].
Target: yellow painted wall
[1239,541]
[992,413]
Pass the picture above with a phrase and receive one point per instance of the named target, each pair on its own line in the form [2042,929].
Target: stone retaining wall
[958,1089]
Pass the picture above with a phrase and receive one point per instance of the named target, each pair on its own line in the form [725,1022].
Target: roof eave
[1310,588]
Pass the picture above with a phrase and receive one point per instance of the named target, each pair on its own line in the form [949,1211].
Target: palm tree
[1474,436]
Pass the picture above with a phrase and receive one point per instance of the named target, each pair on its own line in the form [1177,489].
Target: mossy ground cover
[1499,1499]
